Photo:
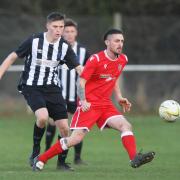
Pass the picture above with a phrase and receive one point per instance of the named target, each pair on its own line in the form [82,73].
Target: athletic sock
[129,143]
[62,157]
[37,136]
[51,152]
[50,133]
[77,149]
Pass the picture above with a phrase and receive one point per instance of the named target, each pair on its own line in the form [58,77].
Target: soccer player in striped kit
[68,82]
[44,53]
[100,77]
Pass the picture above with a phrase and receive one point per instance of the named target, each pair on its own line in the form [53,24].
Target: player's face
[70,34]
[115,43]
[55,29]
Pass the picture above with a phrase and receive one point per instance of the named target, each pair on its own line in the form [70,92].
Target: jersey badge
[105,66]
[39,51]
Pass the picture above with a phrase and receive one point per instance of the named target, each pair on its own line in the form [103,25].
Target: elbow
[13,56]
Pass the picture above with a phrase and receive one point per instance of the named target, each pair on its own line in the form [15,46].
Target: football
[169,110]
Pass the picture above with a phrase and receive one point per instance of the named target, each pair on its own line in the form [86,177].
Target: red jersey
[101,73]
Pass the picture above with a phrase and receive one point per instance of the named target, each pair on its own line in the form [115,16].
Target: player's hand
[79,69]
[85,106]
[126,105]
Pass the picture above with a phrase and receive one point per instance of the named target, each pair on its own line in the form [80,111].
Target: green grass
[102,150]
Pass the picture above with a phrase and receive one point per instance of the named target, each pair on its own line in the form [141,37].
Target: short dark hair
[110,32]
[70,22]
[55,16]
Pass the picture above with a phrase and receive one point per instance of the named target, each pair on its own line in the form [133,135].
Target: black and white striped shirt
[42,60]
[69,77]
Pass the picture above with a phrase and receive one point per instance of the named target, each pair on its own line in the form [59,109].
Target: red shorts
[100,116]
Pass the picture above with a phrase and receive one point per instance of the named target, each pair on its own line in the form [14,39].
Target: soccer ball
[169,110]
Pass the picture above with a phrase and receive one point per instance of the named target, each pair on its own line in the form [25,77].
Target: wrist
[120,99]
[82,100]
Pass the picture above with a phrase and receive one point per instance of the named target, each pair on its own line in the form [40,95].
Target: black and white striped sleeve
[71,58]
[87,55]
[25,48]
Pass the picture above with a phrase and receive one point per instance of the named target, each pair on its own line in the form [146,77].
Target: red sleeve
[89,67]
[125,58]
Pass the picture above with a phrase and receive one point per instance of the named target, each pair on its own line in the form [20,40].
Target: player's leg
[38,132]
[64,132]
[128,140]
[71,107]
[80,125]
[37,103]
[58,112]
[80,120]
[77,154]
[60,146]
[63,127]
[50,133]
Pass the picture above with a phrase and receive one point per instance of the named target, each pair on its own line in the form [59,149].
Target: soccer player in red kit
[98,80]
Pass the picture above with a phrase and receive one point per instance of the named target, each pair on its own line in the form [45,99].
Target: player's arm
[79,69]
[7,63]
[81,83]
[88,71]
[87,56]
[72,61]
[21,52]
[126,105]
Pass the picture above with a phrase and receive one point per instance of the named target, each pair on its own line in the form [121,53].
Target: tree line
[92,7]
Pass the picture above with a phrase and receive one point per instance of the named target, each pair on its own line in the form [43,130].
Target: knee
[126,126]
[79,139]
[64,131]
[42,120]
[76,140]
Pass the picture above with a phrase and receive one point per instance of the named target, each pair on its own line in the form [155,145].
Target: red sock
[51,152]
[129,143]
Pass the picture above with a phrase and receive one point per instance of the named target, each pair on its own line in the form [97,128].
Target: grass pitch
[102,150]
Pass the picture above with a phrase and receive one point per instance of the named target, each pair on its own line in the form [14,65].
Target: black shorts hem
[56,118]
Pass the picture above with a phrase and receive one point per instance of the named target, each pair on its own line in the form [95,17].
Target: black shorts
[49,97]
[71,106]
